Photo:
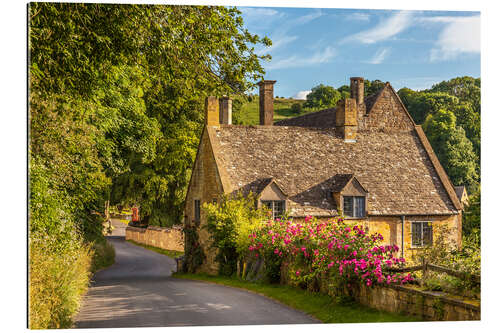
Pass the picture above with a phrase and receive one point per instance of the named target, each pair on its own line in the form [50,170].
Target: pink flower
[297,273]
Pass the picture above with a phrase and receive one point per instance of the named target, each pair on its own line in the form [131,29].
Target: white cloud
[384,30]
[379,56]
[364,17]
[276,44]
[252,12]
[461,35]
[280,36]
[302,94]
[320,57]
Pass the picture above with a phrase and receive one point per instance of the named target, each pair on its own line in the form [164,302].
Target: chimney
[266,105]
[211,111]
[225,110]
[358,89]
[346,119]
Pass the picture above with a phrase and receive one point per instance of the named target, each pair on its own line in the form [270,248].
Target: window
[197,210]
[277,207]
[421,234]
[354,206]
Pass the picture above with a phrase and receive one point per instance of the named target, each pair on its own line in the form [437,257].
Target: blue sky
[412,49]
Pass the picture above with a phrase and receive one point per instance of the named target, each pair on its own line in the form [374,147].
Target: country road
[138,291]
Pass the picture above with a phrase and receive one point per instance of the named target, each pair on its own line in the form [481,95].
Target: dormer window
[277,207]
[354,206]
[349,196]
[272,198]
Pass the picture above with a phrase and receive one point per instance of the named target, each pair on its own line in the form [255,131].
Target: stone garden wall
[164,238]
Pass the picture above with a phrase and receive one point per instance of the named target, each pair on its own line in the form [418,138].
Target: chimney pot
[266,102]
[358,89]
[225,110]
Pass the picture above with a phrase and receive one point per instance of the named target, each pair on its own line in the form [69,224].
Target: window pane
[359,206]
[267,204]
[427,231]
[197,210]
[279,208]
[348,206]
[416,234]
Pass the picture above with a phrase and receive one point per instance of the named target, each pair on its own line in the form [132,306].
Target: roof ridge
[443,177]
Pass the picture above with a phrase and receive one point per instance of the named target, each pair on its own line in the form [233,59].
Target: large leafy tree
[119,90]
[454,150]
[322,96]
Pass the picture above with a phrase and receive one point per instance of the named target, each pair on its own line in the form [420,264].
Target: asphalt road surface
[138,291]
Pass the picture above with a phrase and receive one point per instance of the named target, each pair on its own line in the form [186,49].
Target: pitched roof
[459,190]
[395,168]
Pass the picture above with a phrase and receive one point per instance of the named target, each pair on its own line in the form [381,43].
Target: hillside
[247,113]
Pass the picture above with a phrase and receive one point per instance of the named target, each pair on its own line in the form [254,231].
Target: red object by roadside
[135,214]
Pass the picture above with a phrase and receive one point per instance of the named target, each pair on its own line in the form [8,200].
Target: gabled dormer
[272,197]
[350,196]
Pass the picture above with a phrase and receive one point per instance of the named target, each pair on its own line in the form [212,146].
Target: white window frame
[273,202]
[421,234]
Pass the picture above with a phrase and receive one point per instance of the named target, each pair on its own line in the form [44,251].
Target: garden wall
[427,305]
[164,238]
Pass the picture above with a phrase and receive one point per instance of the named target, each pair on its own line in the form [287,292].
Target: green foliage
[471,226]
[373,87]
[462,97]
[230,223]
[453,149]
[59,276]
[467,259]
[297,108]
[322,96]
[194,255]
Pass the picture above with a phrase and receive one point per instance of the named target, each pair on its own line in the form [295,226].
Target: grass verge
[318,305]
[170,253]
[104,255]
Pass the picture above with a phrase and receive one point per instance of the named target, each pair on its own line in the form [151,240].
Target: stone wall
[164,238]
[425,304]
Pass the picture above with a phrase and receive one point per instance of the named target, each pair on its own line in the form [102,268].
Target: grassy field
[320,306]
[249,113]
[169,253]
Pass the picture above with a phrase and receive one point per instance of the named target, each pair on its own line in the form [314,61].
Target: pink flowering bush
[313,250]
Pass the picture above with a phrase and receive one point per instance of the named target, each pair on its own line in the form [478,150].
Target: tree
[345,91]
[322,96]
[373,87]
[297,108]
[136,77]
[465,88]
[453,149]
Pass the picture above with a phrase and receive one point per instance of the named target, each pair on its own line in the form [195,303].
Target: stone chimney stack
[211,111]
[358,89]
[225,110]
[266,102]
[346,119]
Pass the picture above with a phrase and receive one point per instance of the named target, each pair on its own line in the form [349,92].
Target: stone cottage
[365,159]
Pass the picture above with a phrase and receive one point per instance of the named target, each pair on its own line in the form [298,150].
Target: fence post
[424,270]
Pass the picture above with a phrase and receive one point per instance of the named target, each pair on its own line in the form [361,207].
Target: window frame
[273,210]
[354,206]
[422,243]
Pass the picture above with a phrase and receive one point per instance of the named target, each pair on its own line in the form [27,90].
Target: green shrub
[230,223]
[103,255]
[58,277]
